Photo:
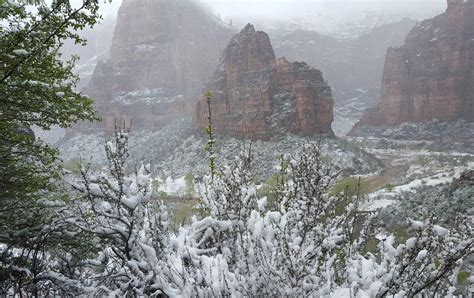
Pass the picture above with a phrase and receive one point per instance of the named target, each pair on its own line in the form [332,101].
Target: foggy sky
[324,16]
[294,8]
[287,9]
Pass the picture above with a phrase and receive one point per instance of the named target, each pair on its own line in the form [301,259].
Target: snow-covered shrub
[298,246]
[313,243]
[117,208]
[311,232]
[307,242]
[427,263]
[230,199]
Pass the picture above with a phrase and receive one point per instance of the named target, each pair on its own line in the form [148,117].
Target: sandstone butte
[257,96]
[432,75]
[162,53]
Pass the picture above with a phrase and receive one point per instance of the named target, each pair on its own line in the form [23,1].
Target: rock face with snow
[258,96]
[162,53]
[432,75]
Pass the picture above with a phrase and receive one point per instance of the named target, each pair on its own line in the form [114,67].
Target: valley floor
[408,165]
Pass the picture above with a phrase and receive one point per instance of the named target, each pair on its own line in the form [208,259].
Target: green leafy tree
[37,88]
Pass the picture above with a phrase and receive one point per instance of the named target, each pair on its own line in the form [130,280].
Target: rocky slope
[258,96]
[432,75]
[353,68]
[431,135]
[161,54]
[177,150]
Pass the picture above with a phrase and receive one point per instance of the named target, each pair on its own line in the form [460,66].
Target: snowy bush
[306,242]
[427,263]
[312,244]
[117,208]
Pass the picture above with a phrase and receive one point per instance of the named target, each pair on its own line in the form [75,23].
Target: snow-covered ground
[174,187]
[421,167]
[385,197]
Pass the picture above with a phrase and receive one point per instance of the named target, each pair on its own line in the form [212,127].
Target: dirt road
[388,174]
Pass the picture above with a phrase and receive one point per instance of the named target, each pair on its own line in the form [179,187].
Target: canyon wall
[162,53]
[432,75]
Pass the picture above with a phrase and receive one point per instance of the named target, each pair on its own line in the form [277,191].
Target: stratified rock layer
[162,53]
[432,75]
[258,96]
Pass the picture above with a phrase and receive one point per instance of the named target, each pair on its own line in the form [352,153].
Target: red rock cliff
[432,75]
[162,53]
[257,96]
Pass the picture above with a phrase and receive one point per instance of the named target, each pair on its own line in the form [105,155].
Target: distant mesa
[161,55]
[257,96]
[432,75]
